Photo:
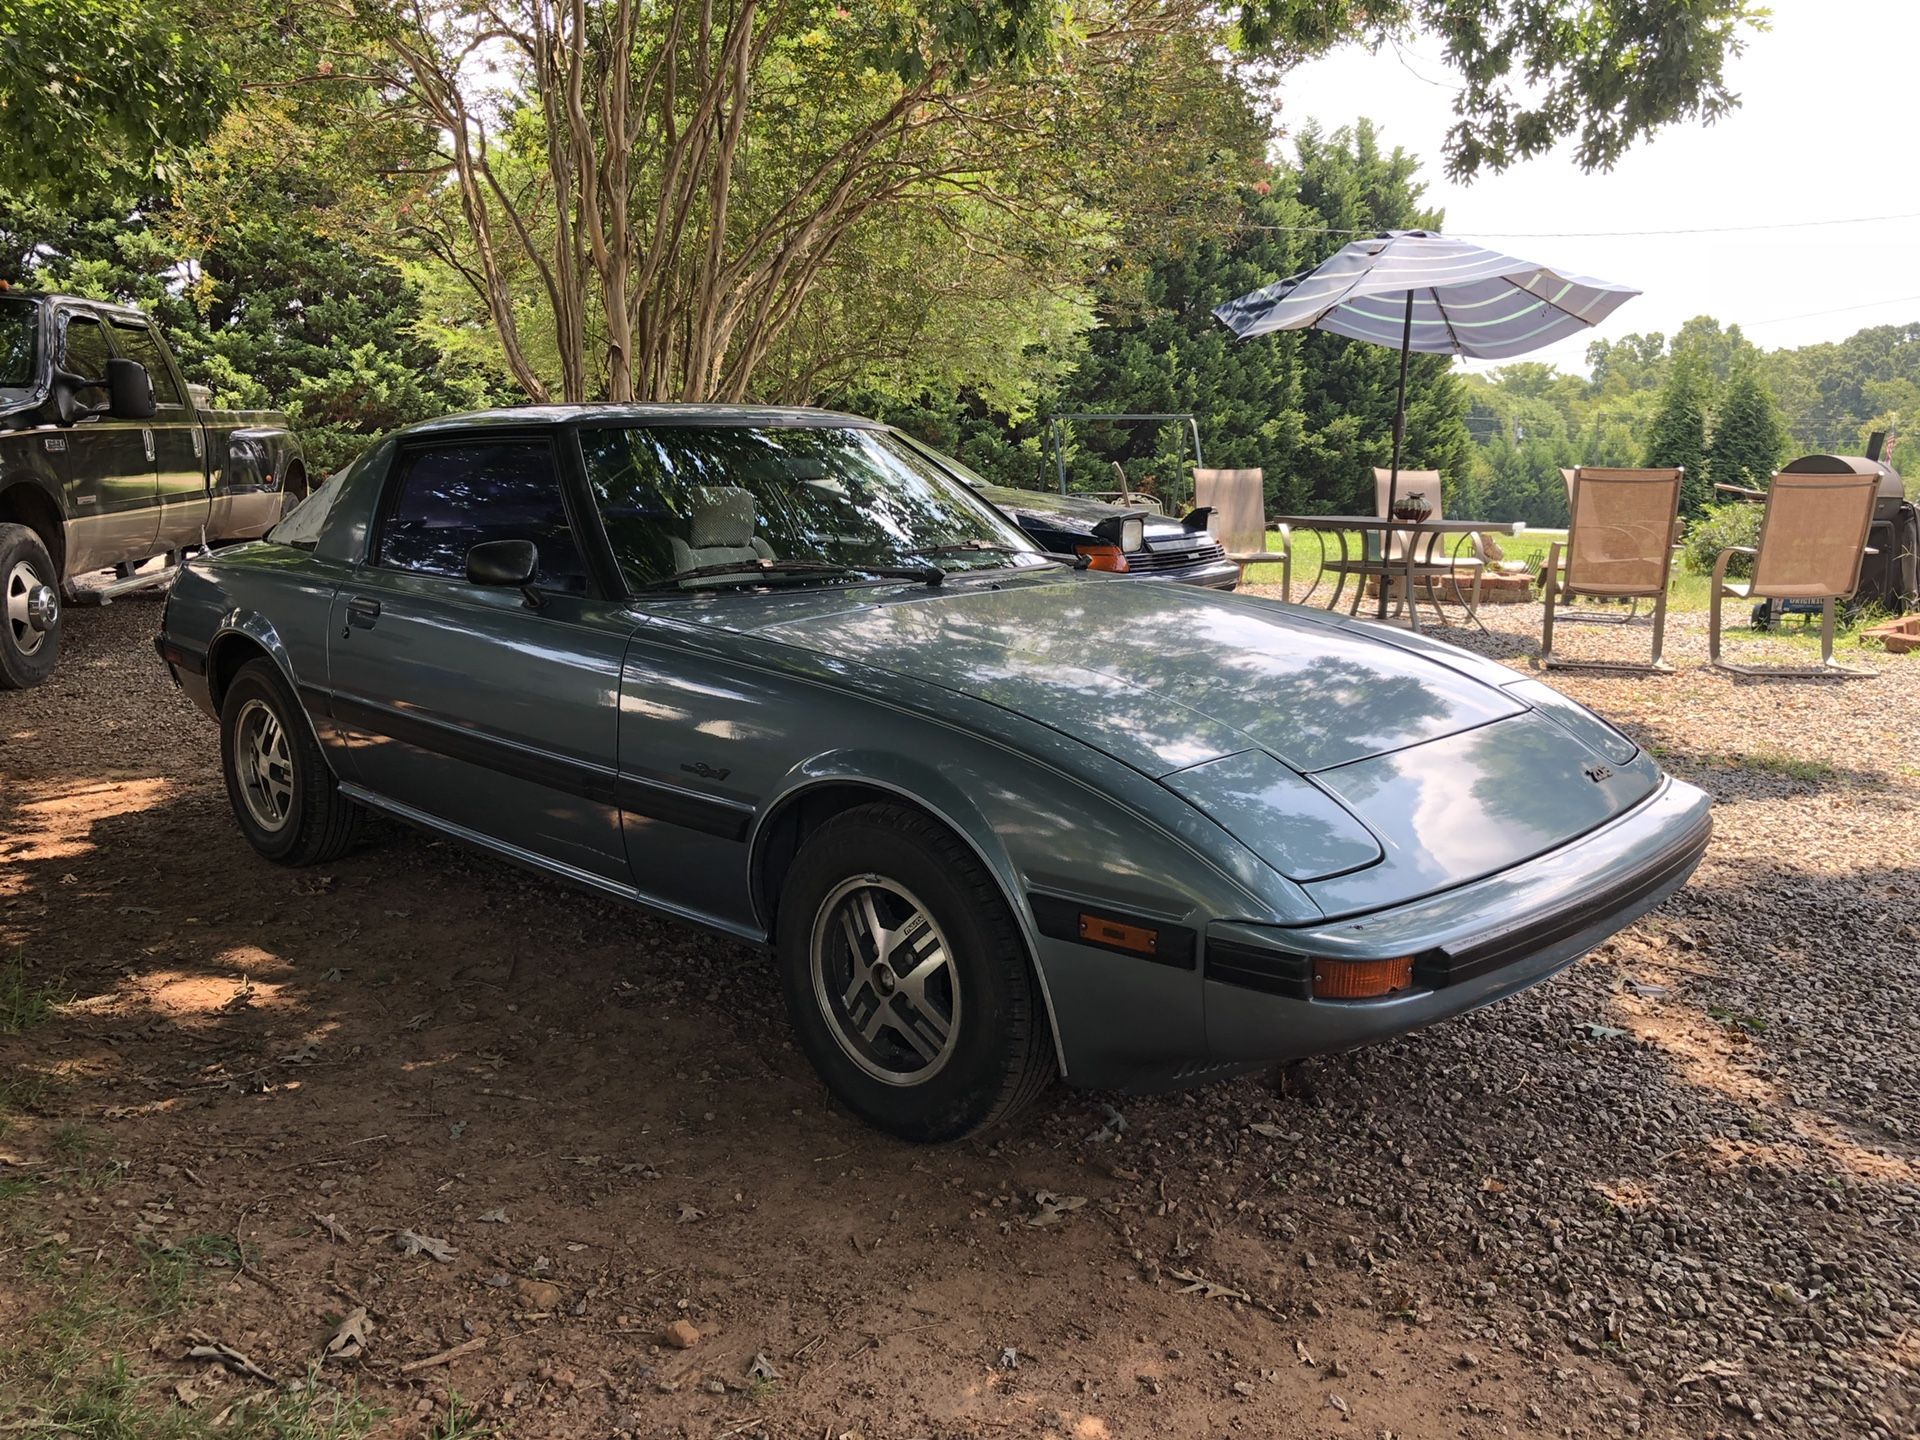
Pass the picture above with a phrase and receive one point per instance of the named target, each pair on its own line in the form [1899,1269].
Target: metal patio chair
[1238,500]
[1619,546]
[1813,539]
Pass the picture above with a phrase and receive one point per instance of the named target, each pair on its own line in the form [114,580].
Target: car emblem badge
[1599,774]
[706,771]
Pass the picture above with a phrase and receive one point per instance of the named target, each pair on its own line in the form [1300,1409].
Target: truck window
[136,342]
[83,350]
[19,344]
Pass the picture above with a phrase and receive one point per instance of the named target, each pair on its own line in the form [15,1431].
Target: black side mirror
[129,389]
[504,563]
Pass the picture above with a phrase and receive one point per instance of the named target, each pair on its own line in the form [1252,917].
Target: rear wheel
[29,609]
[280,786]
[906,978]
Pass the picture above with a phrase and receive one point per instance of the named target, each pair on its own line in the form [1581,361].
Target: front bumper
[1474,945]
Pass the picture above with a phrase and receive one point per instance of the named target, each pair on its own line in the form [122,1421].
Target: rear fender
[250,629]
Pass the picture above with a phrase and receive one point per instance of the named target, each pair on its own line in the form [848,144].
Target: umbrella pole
[1393,477]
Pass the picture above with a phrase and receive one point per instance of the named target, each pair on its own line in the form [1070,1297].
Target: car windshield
[19,346]
[780,502]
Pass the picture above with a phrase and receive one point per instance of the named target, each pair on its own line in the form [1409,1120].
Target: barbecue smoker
[1890,576]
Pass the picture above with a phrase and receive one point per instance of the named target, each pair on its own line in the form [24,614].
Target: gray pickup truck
[108,458]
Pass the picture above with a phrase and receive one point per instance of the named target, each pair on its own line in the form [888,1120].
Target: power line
[1836,310]
[1598,234]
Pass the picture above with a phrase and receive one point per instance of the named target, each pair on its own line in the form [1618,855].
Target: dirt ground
[1671,1192]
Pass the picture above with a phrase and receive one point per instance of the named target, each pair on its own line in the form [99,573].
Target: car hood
[1080,512]
[1161,677]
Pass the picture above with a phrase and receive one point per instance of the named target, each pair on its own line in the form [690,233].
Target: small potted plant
[1412,507]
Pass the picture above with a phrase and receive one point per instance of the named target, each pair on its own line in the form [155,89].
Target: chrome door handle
[147,437]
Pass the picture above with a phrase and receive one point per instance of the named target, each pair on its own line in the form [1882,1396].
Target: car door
[467,704]
[180,470]
[108,463]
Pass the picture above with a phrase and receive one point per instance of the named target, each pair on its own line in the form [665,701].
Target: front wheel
[282,791]
[906,978]
[29,609]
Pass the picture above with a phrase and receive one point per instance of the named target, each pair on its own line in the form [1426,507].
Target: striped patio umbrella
[1415,290]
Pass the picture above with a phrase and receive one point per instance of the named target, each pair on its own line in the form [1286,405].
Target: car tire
[28,652]
[281,788]
[964,1040]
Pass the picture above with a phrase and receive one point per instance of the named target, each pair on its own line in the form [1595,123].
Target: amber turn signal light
[1098,930]
[1103,557]
[1361,979]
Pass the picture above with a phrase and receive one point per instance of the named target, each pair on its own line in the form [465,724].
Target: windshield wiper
[753,572]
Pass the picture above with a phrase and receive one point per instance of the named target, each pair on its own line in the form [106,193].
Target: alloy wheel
[263,763]
[884,978]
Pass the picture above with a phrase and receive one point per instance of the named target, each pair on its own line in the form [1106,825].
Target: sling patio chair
[1619,546]
[1568,477]
[1430,571]
[1813,538]
[1238,500]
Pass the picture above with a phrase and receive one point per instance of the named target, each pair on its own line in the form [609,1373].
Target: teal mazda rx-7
[780,674]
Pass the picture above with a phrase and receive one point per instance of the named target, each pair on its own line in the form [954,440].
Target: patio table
[1407,566]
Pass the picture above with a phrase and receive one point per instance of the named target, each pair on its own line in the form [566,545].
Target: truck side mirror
[129,389]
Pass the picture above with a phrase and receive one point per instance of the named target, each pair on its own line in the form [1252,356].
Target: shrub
[1714,530]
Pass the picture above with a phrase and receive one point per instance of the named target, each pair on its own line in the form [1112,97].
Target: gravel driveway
[1672,1192]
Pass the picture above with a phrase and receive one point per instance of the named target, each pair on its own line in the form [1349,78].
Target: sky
[1824,131]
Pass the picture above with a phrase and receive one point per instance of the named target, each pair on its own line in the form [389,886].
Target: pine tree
[1679,432]
[1749,435]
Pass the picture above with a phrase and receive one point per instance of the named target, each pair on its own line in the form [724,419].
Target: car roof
[756,416]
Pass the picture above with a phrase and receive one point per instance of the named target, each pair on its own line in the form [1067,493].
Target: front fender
[1056,844]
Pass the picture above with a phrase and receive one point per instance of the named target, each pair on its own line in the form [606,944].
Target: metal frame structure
[1056,429]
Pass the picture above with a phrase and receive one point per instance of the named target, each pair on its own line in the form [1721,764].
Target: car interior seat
[719,531]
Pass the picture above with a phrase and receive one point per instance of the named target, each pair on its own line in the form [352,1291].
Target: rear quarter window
[301,526]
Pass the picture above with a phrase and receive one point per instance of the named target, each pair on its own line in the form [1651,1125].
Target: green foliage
[1749,436]
[1529,420]
[1535,72]
[1717,528]
[100,94]
[1835,394]
[1678,435]
[270,291]
[1314,411]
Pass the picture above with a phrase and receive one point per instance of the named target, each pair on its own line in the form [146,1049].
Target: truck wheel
[29,609]
[906,978]
[280,786]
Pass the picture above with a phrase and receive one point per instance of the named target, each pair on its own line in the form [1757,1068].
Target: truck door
[179,446]
[110,475]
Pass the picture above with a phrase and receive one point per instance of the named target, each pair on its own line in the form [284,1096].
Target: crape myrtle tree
[643,195]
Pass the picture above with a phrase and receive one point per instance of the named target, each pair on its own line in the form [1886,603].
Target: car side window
[447,499]
[83,350]
[136,342]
